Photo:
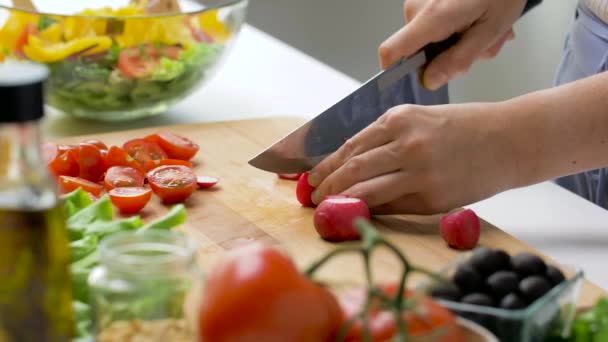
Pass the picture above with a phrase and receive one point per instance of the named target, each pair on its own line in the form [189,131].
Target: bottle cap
[22,91]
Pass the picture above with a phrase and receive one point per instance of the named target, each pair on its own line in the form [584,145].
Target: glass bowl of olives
[519,297]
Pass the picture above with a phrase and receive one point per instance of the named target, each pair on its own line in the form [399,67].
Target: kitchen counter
[264,77]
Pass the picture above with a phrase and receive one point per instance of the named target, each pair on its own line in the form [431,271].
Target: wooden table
[252,205]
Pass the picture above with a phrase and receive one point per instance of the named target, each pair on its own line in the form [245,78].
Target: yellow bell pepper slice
[52,33]
[2,56]
[13,27]
[39,51]
[211,25]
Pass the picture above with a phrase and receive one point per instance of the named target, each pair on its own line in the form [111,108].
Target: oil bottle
[35,282]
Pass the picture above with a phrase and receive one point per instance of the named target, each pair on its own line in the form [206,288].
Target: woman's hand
[484,26]
[422,160]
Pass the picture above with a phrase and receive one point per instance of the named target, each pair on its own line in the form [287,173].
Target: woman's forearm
[558,131]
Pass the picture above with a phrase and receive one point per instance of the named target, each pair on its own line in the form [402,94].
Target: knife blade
[306,146]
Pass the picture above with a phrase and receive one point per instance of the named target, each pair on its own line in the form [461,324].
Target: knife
[309,144]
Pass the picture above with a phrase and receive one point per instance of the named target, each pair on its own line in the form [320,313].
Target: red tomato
[172,183]
[140,61]
[177,147]
[65,164]
[100,145]
[91,161]
[152,164]
[257,294]
[118,157]
[64,148]
[23,38]
[429,319]
[143,150]
[122,176]
[68,184]
[130,200]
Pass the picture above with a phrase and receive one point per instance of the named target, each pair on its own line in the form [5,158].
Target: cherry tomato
[118,157]
[122,176]
[172,183]
[100,145]
[64,148]
[257,294]
[65,164]
[130,200]
[177,147]
[152,164]
[91,161]
[142,150]
[140,61]
[206,182]
[68,184]
[23,38]
[289,176]
[49,151]
[429,318]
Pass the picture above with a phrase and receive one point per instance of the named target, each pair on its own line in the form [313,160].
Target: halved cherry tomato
[118,157]
[130,200]
[176,146]
[23,38]
[100,144]
[140,61]
[257,294]
[91,161]
[65,164]
[142,150]
[69,184]
[172,183]
[429,319]
[205,182]
[151,164]
[122,176]
[289,176]
[49,151]
[63,148]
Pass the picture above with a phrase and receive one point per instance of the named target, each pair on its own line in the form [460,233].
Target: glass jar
[141,287]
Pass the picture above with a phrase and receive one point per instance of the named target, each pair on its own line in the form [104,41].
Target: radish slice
[205,182]
[289,176]
[335,216]
[304,191]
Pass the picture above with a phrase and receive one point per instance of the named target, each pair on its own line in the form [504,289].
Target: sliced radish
[460,229]
[304,191]
[205,182]
[335,216]
[289,176]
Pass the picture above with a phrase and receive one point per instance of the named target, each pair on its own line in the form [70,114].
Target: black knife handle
[433,50]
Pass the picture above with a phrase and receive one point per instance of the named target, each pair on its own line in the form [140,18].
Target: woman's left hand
[422,160]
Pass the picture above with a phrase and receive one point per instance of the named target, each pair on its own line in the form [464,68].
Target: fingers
[493,51]
[410,204]
[376,162]
[459,58]
[382,189]
[369,138]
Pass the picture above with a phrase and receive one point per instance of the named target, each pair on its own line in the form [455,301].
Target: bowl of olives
[519,297]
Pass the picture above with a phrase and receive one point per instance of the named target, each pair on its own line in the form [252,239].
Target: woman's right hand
[484,26]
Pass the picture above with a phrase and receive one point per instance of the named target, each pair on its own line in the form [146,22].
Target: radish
[289,176]
[335,216]
[205,182]
[304,191]
[460,229]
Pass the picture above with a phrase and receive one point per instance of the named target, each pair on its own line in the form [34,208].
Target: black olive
[446,291]
[502,282]
[467,279]
[526,264]
[534,287]
[512,302]
[478,298]
[487,261]
[554,275]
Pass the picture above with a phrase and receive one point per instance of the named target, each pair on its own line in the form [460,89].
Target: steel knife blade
[309,144]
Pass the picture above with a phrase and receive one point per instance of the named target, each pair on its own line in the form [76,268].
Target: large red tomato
[257,294]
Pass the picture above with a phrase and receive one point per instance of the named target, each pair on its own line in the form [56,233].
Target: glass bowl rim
[219,5]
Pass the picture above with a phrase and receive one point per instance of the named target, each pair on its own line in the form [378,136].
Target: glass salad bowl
[120,60]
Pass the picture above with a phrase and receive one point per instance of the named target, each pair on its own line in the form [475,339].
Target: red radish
[304,191]
[460,229]
[205,182]
[289,176]
[335,216]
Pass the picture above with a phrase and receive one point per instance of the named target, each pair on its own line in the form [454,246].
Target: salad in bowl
[120,61]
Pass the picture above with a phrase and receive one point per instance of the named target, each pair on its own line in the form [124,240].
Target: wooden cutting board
[252,205]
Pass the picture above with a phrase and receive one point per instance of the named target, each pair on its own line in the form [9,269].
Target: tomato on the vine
[257,294]
[428,319]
